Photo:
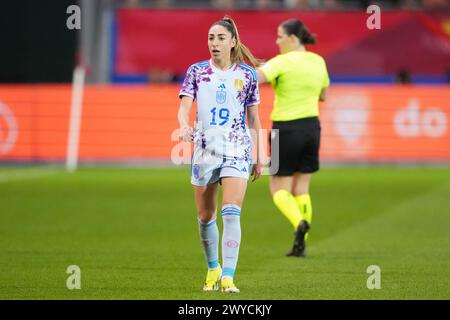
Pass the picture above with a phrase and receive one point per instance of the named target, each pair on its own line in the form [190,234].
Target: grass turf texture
[133,232]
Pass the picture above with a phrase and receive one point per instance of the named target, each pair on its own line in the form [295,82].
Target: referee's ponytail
[298,28]
[240,53]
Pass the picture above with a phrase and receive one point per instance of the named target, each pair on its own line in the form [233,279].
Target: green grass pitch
[133,233]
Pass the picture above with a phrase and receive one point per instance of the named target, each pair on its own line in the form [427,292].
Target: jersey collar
[233,66]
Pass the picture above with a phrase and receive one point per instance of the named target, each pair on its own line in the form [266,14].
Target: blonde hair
[239,53]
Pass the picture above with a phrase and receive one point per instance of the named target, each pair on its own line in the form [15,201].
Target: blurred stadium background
[389,104]
[389,101]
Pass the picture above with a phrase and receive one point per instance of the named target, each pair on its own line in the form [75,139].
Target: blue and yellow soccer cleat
[228,286]
[213,277]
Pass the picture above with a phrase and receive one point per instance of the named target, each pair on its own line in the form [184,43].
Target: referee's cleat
[298,249]
[213,277]
[228,286]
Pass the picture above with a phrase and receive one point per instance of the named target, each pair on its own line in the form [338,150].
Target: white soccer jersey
[222,99]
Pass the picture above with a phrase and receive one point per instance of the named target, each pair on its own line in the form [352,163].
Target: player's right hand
[186,134]
[257,171]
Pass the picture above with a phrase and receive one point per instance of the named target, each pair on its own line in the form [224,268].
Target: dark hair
[298,29]
[240,52]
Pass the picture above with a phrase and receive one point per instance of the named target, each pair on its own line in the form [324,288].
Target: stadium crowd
[290,4]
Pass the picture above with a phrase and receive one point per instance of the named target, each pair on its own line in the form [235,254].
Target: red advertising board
[123,123]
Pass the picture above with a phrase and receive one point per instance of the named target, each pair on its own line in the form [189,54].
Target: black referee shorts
[299,142]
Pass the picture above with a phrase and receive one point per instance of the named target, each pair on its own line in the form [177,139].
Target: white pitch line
[7,176]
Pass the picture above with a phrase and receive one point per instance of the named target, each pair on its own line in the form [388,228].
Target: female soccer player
[300,79]
[226,90]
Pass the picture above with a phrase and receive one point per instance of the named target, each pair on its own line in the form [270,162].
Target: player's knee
[300,189]
[278,184]
[205,216]
[276,189]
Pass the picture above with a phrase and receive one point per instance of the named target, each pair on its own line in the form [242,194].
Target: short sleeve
[253,93]
[189,87]
[272,68]
[326,78]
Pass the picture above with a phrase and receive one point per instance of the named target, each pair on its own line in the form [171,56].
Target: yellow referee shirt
[298,77]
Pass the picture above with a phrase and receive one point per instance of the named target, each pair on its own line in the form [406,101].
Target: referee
[300,80]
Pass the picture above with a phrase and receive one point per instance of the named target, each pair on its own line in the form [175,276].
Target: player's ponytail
[239,53]
[298,28]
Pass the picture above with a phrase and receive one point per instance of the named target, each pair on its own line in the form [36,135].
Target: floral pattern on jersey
[249,94]
[204,75]
[194,76]
[235,133]
[189,85]
[238,133]
[199,138]
[246,159]
[247,154]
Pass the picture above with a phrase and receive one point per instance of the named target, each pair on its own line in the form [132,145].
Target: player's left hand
[257,170]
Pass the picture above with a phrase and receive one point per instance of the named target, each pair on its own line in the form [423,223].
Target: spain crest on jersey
[221,96]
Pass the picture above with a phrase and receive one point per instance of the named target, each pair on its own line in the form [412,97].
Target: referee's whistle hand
[257,171]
